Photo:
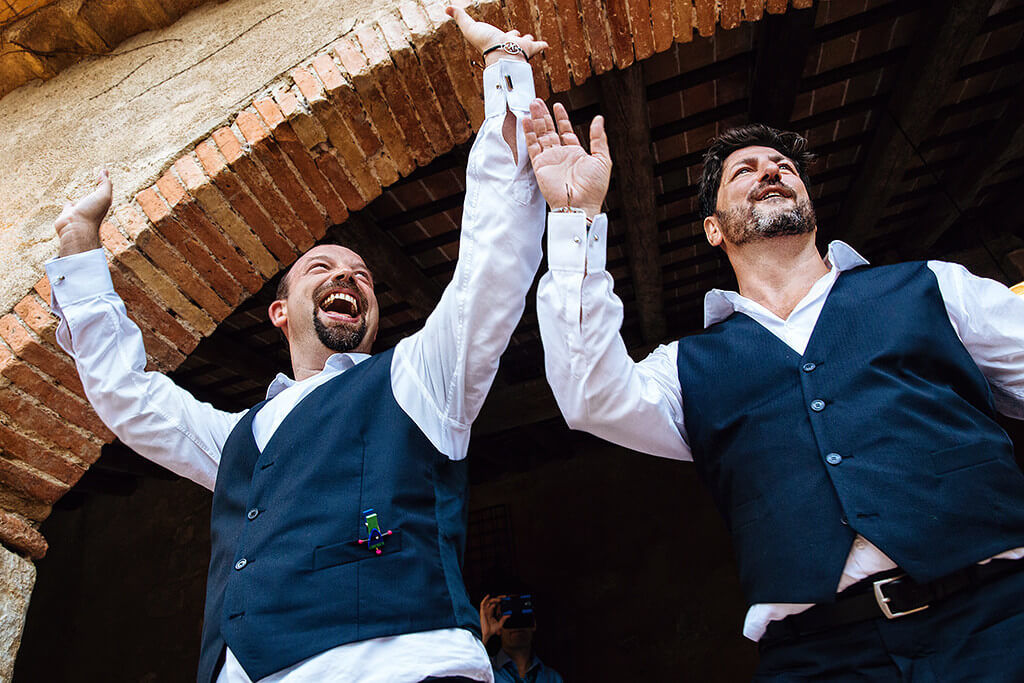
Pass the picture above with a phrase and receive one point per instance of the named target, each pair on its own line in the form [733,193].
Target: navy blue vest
[288,578]
[884,427]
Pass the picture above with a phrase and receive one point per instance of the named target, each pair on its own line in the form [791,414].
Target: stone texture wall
[17,577]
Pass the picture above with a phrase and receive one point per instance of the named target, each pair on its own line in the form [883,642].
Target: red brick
[16,533]
[753,10]
[219,212]
[682,20]
[270,112]
[304,164]
[425,42]
[601,55]
[127,257]
[617,16]
[382,69]
[383,119]
[417,84]
[778,6]
[27,348]
[150,313]
[574,42]
[291,186]
[338,130]
[191,216]
[39,455]
[46,392]
[463,75]
[31,417]
[160,355]
[554,56]
[347,103]
[42,288]
[335,175]
[233,190]
[640,23]
[17,502]
[706,12]
[730,14]
[29,481]
[263,190]
[39,318]
[153,244]
[195,253]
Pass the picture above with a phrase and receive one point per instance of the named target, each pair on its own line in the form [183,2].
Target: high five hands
[568,177]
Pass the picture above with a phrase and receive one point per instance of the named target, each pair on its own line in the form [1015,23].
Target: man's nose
[770,171]
[343,276]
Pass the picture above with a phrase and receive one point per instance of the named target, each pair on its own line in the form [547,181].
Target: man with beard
[842,416]
[339,507]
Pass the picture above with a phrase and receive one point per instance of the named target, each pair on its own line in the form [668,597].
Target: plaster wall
[136,108]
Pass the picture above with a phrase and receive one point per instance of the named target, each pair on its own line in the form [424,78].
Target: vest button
[808,367]
[241,564]
[817,405]
[833,458]
[253,514]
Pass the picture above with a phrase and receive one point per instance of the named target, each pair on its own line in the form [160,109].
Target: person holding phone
[515,661]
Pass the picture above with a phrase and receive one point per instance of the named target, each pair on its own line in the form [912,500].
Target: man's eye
[318,266]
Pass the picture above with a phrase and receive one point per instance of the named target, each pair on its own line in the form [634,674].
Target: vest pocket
[950,460]
[351,551]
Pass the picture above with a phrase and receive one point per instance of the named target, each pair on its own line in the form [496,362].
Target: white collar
[339,362]
[719,304]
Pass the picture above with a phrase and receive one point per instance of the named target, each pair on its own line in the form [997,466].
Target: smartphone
[520,609]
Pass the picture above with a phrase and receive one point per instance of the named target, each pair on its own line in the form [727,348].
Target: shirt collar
[339,362]
[501,660]
[719,304]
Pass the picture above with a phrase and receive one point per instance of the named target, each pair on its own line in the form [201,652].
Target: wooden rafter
[624,102]
[939,48]
[783,42]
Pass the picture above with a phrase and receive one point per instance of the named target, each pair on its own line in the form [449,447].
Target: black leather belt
[891,595]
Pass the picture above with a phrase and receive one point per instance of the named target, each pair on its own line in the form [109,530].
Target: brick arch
[231,211]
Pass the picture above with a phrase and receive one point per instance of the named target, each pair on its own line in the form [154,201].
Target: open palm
[567,175]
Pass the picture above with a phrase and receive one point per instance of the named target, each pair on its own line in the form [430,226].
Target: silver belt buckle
[883,601]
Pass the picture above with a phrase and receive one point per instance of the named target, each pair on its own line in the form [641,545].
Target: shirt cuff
[78,277]
[508,83]
[571,247]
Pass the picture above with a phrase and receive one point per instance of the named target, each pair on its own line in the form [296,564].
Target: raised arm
[598,387]
[144,409]
[445,370]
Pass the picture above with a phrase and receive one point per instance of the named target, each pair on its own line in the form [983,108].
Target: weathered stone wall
[17,577]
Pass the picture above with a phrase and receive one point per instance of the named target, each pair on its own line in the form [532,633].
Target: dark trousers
[975,635]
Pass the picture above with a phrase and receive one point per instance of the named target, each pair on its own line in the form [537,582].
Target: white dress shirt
[439,376]
[601,390]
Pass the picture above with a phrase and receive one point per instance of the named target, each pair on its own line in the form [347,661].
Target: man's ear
[278,313]
[713,230]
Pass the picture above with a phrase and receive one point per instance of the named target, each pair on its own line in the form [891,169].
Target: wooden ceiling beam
[624,102]
[783,43]
[964,181]
[938,51]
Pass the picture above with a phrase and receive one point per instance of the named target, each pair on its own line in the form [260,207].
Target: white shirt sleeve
[598,387]
[146,410]
[989,319]
[441,374]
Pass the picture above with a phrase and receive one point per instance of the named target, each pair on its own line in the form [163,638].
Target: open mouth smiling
[774,192]
[340,305]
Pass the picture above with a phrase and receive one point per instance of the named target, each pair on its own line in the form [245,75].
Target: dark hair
[793,145]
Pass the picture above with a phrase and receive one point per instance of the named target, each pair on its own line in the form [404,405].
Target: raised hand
[566,174]
[490,624]
[483,36]
[78,225]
